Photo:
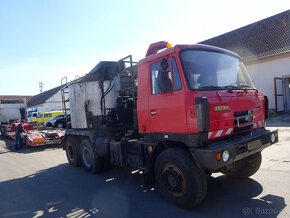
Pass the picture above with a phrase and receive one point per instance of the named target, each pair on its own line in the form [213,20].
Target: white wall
[263,75]
[56,98]
[54,103]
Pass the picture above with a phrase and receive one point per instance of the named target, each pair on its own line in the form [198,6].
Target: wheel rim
[70,152]
[174,180]
[87,158]
[59,125]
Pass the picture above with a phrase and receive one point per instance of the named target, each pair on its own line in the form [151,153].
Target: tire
[246,167]
[59,125]
[2,131]
[90,161]
[49,125]
[178,179]
[72,152]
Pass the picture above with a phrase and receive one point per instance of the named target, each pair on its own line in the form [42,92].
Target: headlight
[273,138]
[226,156]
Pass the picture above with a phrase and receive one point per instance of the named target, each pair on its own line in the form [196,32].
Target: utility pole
[40,86]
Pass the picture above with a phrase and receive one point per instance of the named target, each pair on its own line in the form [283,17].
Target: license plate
[254,145]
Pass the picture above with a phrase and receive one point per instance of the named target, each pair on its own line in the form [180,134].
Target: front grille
[241,113]
[243,128]
[243,121]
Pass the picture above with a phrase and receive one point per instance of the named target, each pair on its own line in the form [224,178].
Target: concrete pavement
[39,182]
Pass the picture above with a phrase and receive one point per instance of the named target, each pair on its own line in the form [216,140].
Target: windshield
[59,116]
[213,70]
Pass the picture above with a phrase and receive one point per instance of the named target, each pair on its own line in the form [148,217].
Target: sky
[46,40]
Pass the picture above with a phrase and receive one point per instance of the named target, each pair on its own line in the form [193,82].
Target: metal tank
[91,96]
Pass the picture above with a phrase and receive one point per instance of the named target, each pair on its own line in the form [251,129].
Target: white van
[31,115]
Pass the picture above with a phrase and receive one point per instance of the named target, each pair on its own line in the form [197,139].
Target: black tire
[90,161]
[246,167]
[178,179]
[59,125]
[2,131]
[72,152]
[49,125]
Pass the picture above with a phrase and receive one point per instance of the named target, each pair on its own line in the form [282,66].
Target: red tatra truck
[179,114]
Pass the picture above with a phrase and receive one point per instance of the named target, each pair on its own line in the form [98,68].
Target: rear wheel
[91,162]
[49,125]
[60,125]
[72,152]
[246,167]
[179,179]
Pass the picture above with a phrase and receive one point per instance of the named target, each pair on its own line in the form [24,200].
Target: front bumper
[238,148]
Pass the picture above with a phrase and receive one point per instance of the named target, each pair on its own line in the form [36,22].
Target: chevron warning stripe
[225,132]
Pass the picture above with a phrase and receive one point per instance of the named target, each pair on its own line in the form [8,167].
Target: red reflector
[39,140]
[218,156]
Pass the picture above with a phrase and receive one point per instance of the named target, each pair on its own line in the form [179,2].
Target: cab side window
[161,77]
[154,73]
[176,76]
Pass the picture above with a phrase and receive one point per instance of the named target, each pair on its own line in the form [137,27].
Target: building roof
[15,97]
[265,38]
[42,97]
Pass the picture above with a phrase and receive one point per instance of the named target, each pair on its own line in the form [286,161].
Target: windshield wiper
[210,87]
[229,87]
[244,86]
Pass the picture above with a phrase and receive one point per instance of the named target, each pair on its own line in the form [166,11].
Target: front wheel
[179,179]
[245,167]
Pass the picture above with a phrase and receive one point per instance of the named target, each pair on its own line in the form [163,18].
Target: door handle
[153,112]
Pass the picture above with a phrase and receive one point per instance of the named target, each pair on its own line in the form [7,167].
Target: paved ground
[39,182]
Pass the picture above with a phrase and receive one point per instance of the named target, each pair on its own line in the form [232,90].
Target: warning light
[150,149]
[169,45]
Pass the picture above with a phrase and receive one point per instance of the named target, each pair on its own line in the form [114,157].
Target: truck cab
[209,95]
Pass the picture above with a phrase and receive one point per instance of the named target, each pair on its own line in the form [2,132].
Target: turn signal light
[218,156]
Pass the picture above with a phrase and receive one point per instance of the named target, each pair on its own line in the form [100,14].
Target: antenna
[40,86]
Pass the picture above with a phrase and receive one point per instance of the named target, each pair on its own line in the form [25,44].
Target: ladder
[64,93]
[128,78]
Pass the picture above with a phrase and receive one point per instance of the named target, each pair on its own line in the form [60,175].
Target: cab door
[166,105]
